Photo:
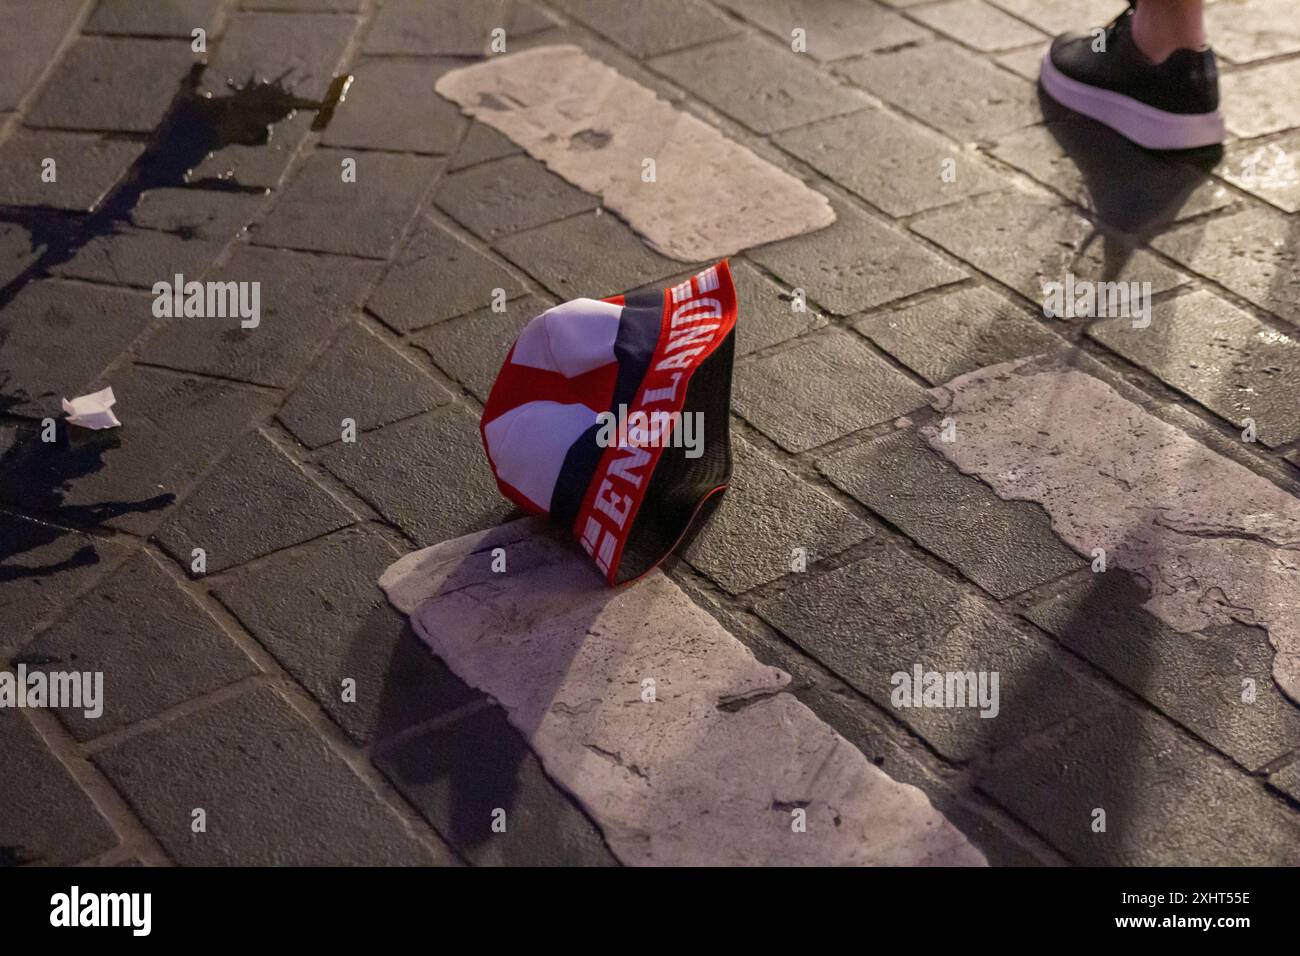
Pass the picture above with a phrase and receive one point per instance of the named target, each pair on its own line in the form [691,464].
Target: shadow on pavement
[459,775]
[35,476]
[1137,191]
[194,126]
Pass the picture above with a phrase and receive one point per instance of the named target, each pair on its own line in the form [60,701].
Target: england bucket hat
[612,417]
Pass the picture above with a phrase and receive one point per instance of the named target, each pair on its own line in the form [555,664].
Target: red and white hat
[612,416]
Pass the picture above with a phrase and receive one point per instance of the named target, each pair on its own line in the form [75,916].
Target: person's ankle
[1157,39]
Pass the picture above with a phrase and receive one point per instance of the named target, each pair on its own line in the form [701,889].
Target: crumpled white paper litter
[92,411]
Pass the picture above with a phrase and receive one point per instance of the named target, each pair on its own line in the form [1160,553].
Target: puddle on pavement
[195,126]
[35,474]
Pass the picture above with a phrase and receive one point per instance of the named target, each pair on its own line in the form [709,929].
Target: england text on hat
[698,321]
[60,689]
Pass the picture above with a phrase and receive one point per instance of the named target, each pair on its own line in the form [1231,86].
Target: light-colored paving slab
[1247,30]
[1058,16]
[709,772]
[709,196]
[1216,542]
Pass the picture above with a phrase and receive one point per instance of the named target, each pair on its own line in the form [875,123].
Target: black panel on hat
[680,485]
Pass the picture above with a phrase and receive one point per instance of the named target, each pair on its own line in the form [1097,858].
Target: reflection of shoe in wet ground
[1169,105]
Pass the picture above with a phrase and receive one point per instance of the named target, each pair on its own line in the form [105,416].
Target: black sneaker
[1169,105]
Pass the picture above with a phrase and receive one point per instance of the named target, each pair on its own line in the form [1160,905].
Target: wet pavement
[931,473]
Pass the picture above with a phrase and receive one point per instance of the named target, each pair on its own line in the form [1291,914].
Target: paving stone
[1226,359]
[1024,63]
[855,264]
[44,566]
[113,84]
[260,772]
[1242,32]
[57,336]
[472,348]
[213,214]
[16,252]
[481,143]
[304,49]
[706,773]
[172,429]
[592,255]
[1213,538]
[1287,780]
[833,29]
[139,258]
[821,388]
[86,167]
[45,817]
[894,164]
[1166,802]
[948,336]
[1270,170]
[255,502]
[392,105]
[647,30]
[978,25]
[765,514]
[320,211]
[1257,108]
[1198,680]
[497,198]
[318,610]
[541,98]
[460,775]
[993,232]
[1254,252]
[30,33]
[359,378]
[1058,16]
[304,301]
[429,476]
[767,315]
[436,277]
[256,167]
[1003,546]
[951,89]
[887,613]
[759,84]
[1129,188]
[175,18]
[450,27]
[154,646]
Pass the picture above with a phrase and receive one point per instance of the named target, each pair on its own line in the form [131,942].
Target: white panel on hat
[571,338]
[528,443]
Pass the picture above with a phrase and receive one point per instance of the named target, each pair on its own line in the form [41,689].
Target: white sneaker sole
[1143,124]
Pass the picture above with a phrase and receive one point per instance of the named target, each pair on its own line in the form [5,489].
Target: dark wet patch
[195,126]
[786,806]
[491,102]
[589,139]
[36,475]
[26,534]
